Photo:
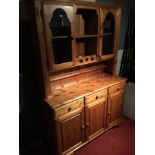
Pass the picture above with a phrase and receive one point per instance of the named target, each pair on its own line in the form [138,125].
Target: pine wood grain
[87,87]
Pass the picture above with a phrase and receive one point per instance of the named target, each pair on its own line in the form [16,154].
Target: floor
[117,141]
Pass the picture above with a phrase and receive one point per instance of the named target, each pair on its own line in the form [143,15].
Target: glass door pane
[60,27]
[88,21]
[108,34]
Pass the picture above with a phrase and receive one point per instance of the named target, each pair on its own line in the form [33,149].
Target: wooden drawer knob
[82,127]
[87,125]
[97,97]
[117,89]
[69,109]
[109,113]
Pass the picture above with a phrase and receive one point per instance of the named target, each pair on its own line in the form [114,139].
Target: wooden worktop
[72,92]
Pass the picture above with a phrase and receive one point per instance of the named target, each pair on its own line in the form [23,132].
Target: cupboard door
[70,130]
[95,118]
[58,25]
[109,34]
[109,31]
[115,107]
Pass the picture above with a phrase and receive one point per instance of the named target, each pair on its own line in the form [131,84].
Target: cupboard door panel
[71,130]
[115,106]
[95,118]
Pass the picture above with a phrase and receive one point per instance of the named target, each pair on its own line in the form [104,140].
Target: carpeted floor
[117,141]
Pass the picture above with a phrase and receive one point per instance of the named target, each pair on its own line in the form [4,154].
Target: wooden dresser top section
[70,93]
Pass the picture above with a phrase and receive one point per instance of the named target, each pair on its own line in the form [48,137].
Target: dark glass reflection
[90,18]
[108,34]
[61,37]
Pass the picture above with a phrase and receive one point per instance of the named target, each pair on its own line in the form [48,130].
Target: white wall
[119,58]
[129,100]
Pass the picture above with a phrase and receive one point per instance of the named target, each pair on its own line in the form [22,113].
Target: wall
[129,101]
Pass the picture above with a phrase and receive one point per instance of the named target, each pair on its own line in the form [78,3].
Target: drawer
[102,100]
[117,87]
[69,107]
[95,96]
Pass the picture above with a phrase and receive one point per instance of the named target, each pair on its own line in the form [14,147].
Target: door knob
[69,109]
[82,127]
[87,125]
[97,97]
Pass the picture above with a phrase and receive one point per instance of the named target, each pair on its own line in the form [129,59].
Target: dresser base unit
[86,109]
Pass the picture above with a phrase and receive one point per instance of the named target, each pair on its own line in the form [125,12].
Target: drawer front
[69,107]
[95,96]
[99,101]
[117,87]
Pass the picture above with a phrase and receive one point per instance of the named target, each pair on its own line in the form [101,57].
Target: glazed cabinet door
[58,27]
[115,107]
[70,130]
[109,34]
[95,113]
[109,31]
